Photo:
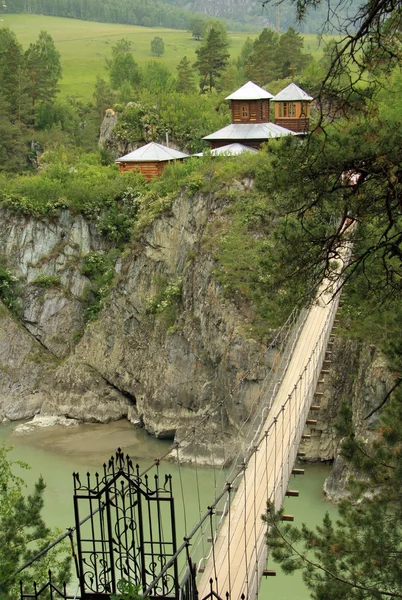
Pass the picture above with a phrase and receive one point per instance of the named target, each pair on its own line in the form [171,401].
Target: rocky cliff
[167,347]
[358,376]
[161,370]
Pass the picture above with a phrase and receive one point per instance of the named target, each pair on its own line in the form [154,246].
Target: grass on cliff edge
[240,234]
[84,45]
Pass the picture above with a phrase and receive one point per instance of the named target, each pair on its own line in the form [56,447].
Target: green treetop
[212,58]
[263,59]
[42,62]
[157,46]
[196,25]
[185,77]
[122,66]
[290,56]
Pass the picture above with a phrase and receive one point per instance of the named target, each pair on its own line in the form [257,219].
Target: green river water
[57,452]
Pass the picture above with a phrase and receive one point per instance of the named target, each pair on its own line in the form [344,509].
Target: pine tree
[185,77]
[263,60]
[243,62]
[42,61]
[13,76]
[13,149]
[104,96]
[290,56]
[212,58]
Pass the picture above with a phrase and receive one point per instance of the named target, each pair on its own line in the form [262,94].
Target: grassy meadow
[84,45]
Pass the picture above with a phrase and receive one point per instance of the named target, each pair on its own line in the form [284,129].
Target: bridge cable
[213,551]
[255,521]
[245,526]
[162,543]
[229,528]
[199,497]
[181,489]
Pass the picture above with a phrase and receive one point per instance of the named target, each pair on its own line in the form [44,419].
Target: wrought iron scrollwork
[130,533]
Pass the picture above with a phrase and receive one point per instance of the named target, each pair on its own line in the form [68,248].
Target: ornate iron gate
[130,533]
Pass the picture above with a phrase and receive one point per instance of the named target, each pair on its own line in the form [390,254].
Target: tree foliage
[28,78]
[185,77]
[345,182]
[358,556]
[157,46]
[43,68]
[132,12]
[273,56]
[23,533]
[122,66]
[212,56]
[196,25]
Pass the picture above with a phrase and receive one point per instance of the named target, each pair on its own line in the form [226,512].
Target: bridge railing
[265,472]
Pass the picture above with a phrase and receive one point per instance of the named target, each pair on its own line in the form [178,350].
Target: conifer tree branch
[320,567]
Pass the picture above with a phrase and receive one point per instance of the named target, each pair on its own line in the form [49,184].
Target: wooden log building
[251,126]
[149,160]
[292,109]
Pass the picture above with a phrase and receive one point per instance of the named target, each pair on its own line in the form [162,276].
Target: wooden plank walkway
[239,552]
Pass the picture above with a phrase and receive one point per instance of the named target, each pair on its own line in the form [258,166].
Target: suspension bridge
[124,535]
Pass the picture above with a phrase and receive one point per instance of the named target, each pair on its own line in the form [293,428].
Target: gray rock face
[106,136]
[38,248]
[170,374]
[24,363]
[359,376]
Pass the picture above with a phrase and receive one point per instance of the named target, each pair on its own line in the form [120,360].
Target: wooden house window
[287,109]
[244,111]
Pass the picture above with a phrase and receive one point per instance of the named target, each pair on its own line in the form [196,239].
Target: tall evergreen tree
[290,56]
[263,61]
[42,61]
[212,58]
[13,75]
[243,61]
[13,150]
[103,95]
[185,77]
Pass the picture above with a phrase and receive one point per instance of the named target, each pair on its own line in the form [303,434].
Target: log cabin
[149,160]
[292,109]
[251,124]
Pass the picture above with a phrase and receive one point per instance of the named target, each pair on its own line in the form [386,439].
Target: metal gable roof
[246,131]
[250,91]
[229,150]
[291,93]
[152,152]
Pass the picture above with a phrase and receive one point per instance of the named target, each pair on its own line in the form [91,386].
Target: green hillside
[84,45]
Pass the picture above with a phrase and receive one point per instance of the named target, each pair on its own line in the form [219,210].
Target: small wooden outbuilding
[149,160]
[292,108]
